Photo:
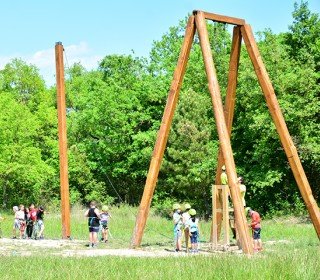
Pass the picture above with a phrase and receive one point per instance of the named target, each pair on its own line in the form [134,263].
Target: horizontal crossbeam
[221,18]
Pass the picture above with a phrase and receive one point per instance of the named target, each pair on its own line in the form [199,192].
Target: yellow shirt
[243,193]
[224,178]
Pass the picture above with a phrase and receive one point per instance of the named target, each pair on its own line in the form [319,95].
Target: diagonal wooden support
[163,135]
[223,134]
[228,112]
[281,127]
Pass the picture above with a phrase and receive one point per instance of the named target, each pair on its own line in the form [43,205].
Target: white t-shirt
[185,218]
[193,226]
[20,215]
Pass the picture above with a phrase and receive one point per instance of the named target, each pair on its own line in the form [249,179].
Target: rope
[148,229]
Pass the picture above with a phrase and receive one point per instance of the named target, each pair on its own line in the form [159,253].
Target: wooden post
[228,109]
[224,209]
[223,134]
[214,226]
[225,215]
[62,128]
[163,134]
[281,127]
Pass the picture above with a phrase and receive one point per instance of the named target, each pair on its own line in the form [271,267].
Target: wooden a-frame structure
[223,118]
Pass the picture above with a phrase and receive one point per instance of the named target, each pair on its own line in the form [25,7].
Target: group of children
[185,223]
[28,222]
[97,222]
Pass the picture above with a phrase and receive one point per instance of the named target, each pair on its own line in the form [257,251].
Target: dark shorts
[93,229]
[256,233]
[194,237]
[104,225]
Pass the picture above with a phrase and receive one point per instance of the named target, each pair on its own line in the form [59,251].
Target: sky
[92,29]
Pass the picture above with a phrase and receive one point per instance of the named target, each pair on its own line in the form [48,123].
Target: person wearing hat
[185,219]
[256,228]
[104,219]
[223,176]
[177,229]
[193,226]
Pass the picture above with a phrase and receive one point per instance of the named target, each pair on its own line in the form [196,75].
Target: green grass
[291,252]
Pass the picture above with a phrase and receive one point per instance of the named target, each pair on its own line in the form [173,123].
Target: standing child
[32,220]
[193,225]
[40,216]
[256,229]
[185,219]
[104,219]
[16,223]
[93,222]
[177,229]
[22,222]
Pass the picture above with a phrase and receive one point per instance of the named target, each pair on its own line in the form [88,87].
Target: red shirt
[33,214]
[255,220]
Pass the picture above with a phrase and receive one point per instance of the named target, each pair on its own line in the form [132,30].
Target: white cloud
[45,59]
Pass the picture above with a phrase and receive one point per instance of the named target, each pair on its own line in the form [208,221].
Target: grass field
[291,252]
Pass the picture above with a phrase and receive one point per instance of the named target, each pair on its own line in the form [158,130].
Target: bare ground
[77,248]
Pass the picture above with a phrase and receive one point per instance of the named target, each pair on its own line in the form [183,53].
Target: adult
[223,176]
[243,190]
[93,222]
[224,181]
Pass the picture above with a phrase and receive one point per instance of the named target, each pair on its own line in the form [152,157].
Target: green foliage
[114,113]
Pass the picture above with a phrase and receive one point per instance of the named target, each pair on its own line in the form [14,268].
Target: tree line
[115,111]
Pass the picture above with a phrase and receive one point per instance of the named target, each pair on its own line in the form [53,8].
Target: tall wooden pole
[163,135]
[228,113]
[62,128]
[281,127]
[223,134]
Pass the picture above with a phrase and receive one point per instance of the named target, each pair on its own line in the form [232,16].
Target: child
[185,219]
[21,220]
[93,222]
[193,225]
[16,223]
[104,219]
[177,230]
[256,229]
[40,214]
[32,218]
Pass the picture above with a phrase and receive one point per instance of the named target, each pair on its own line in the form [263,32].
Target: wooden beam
[281,127]
[63,153]
[223,133]
[221,18]
[214,225]
[163,134]
[225,214]
[229,107]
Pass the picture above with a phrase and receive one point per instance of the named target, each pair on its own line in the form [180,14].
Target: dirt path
[77,248]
